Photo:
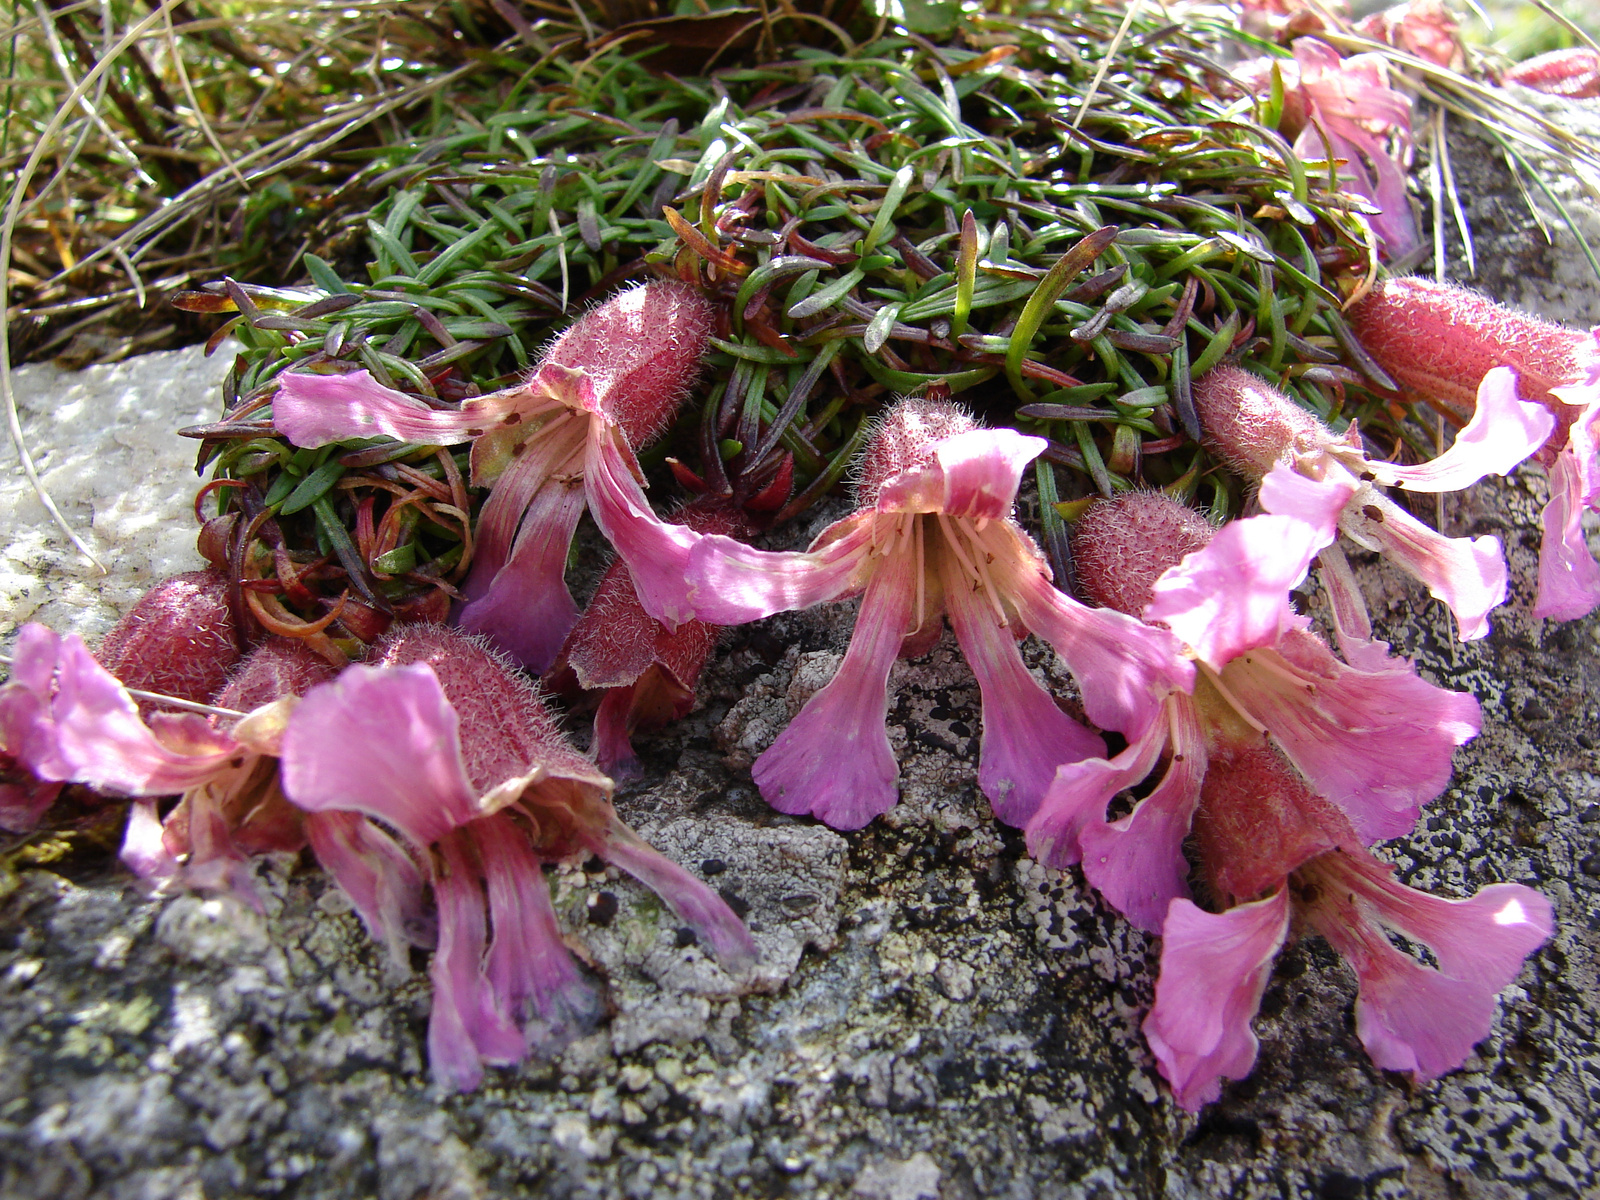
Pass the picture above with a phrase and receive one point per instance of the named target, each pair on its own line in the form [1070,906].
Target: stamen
[1233,701]
[919,567]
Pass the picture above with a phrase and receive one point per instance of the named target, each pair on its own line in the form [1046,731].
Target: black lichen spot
[602,908]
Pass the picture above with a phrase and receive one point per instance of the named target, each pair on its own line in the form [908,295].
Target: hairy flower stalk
[607,386]
[1255,428]
[1445,344]
[442,742]
[1282,766]
[647,671]
[933,536]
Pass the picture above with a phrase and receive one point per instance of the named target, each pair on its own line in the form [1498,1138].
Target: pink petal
[697,905]
[1025,736]
[1376,741]
[834,760]
[656,551]
[1317,502]
[1124,668]
[1411,1017]
[466,1027]
[974,474]
[315,410]
[1137,862]
[100,740]
[1503,431]
[527,610]
[528,963]
[612,749]
[1467,574]
[1569,577]
[144,852]
[23,804]
[1214,968]
[381,879]
[555,451]
[734,583]
[1234,594]
[1081,791]
[383,741]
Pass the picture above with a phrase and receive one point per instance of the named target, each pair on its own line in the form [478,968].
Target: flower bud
[1439,341]
[1120,547]
[179,640]
[904,439]
[641,349]
[1250,424]
[1573,73]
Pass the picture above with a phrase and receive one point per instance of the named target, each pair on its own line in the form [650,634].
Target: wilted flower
[1439,341]
[1369,735]
[1255,427]
[933,535]
[648,672]
[608,385]
[441,742]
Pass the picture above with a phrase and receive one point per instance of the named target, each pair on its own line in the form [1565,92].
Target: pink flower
[608,385]
[1443,344]
[442,743]
[66,719]
[1372,737]
[1344,108]
[647,671]
[1308,471]
[933,535]
[1270,848]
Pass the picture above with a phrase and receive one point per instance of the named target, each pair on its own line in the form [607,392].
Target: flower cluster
[1282,767]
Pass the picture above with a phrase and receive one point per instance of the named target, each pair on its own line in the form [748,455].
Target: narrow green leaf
[1067,268]
[883,221]
[966,274]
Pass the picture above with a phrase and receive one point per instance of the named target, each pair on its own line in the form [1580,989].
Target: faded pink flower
[1307,470]
[1344,108]
[933,535]
[648,672]
[1445,344]
[444,744]
[1371,736]
[607,386]
[1424,28]
[1269,849]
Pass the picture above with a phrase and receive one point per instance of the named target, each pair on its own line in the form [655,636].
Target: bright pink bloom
[1308,471]
[647,671]
[934,535]
[1268,846]
[1574,73]
[443,743]
[1443,344]
[1371,736]
[608,385]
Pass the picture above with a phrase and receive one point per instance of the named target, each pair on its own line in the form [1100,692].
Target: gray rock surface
[937,1016]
